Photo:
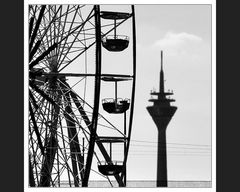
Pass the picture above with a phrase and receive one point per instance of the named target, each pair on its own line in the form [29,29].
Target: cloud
[177,42]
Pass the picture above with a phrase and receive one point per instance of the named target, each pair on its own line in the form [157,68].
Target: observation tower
[161,112]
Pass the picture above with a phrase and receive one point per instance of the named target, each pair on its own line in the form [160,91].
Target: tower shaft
[162,160]
[161,116]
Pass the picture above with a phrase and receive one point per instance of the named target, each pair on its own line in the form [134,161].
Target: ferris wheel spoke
[55,29]
[34,50]
[31,26]
[40,107]
[49,156]
[39,134]
[42,93]
[36,26]
[74,147]
[59,172]
[63,29]
[50,150]
[44,54]
[45,27]
[43,33]
[72,120]
[32,10]
[52,47]
[36,129]
[80,27]
[33,153]
[33,100]
[81,110]
[77,56]
[65,152]
[72,22]
[76,35]
[73,171]
[58,30]
[69,31]
[39,158]
[52,38]
[64,111]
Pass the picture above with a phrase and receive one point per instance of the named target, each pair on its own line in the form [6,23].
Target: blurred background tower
[161,112]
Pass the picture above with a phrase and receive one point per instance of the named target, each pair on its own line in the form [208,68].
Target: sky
[183,33]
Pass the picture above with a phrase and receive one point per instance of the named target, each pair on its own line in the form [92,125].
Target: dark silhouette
[161,113]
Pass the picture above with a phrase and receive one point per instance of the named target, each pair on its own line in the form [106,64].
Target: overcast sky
[183,32]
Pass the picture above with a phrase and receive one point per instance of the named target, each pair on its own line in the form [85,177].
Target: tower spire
[161,60]
[161,89]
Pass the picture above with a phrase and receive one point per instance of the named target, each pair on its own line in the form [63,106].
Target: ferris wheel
[70,139]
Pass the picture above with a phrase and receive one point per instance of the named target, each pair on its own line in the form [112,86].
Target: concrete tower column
[162,159]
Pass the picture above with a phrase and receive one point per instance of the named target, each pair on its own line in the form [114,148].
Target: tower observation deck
[161,112]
